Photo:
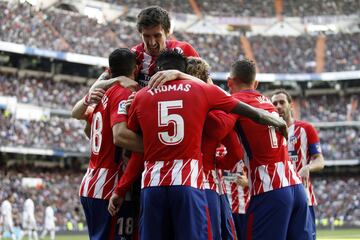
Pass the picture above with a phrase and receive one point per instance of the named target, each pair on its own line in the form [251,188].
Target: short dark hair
[153,16]
[171,59]
[244,70]
[122,62]
[283,91]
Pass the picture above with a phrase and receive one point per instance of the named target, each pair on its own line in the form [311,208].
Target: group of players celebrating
[166,160]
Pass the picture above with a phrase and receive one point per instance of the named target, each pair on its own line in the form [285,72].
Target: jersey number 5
[164,119]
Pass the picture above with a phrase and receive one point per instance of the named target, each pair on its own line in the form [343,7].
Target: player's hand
[128,83]
[94,96]
[242,181]
[284,131]
[304,173]
[105,75]
[129,101]
[161,77]
[115,203]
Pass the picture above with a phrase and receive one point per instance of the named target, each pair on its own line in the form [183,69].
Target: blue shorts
[213,201]
[174,212]
[239,220]
[312,221]
[101,225]
[279,214]
[228,231]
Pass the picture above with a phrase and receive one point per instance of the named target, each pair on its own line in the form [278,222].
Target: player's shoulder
[138,48]
[304,124]
[117,89]
[183,47]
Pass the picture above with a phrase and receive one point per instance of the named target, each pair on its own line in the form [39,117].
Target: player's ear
[230,82]
[256,83]
[109,71]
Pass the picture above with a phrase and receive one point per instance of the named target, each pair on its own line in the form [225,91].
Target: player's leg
[239,220]
[189,213]
[300,226]
[313,221]
[43,234]
[228,231]
[100,223]
[52,234]
[213,201]
[269,214]
[155,220]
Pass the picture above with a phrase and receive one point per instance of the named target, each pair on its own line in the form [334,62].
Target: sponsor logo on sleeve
[122,107]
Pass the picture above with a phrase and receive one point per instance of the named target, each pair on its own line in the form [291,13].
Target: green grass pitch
[346,234]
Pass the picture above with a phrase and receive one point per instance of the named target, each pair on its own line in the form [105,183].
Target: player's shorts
[213,200]
[279,214]
[174,212]
[28,221]
[228,231]
[239,220]
[101,225]
[312,221]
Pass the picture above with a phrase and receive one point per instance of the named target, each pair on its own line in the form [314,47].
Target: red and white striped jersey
[99,183]
[106,158]
[178,172]
[146,62]
[171,126]
[265,152]
[303,142]
[238,196]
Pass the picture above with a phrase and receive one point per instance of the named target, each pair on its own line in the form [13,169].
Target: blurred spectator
[220,51]
[57,133]
[60,188]
[297,8]
[284,54]
[41,91]
[338,198]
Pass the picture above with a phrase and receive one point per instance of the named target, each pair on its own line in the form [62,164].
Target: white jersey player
[49,223]
[28,219]
[6,219]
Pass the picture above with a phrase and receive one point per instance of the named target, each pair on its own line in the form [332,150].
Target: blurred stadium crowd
[61,30]
[338,198]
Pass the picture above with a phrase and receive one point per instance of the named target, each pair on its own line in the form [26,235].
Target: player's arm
[87,130]
[93,97]
[161,77]
[261,116]
[124,137]
[317,161]
[122,80]
[132,171]
[218,124]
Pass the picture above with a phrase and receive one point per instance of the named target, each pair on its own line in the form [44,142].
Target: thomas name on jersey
[170,87]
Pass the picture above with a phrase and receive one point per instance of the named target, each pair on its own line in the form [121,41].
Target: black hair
[244,70]
[153,16]
[122,62]
[283,91]
[171,59]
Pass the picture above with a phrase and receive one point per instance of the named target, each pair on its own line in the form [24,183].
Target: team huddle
[182,159]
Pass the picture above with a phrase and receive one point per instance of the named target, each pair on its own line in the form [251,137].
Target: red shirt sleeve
[218,98]
[117,99]
[133,170]
[189,51]
[234,154]
[312,139]
[218,124]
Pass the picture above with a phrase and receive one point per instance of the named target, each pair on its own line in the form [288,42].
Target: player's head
[122,62]
[283,103]
[171,59]
[153,24]
[199,68]
[242,74]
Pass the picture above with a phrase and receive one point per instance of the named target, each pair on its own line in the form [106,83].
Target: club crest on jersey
[293,140]
[122,107]
[263,99]
[105,101]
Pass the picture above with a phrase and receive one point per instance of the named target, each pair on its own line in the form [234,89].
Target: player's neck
[290,121]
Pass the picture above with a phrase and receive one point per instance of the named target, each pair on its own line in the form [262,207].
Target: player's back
[29,206]
[265,149]
[171,119]
[49,214]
